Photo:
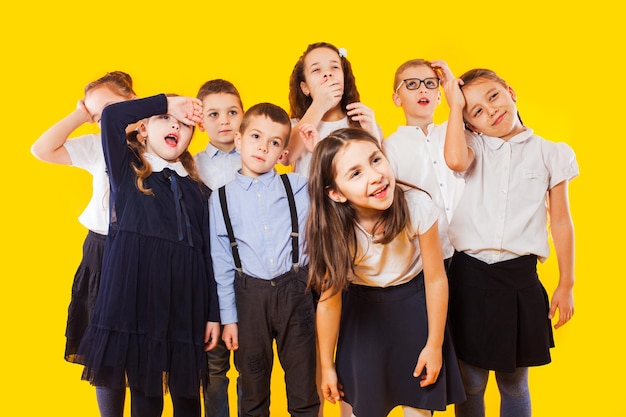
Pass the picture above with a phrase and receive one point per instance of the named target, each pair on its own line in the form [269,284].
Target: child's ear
[512,93]
[305,88]
[282,156]
[396,99]
[336,196]
[439,97]
[201,126]
[471,127]
[237,138]
[142,129]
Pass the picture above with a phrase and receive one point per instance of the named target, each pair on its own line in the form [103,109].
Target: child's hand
[83,111]
[310,136]
[327,94]
[430,360]
[443,71]
[329,386]
[230,336]
[211,335]
[185,109]
[563,300]
[452,90]
[359,112]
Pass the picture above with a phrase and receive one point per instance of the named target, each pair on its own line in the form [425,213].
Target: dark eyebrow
[352,168]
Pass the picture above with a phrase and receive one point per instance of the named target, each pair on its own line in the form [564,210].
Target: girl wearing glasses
[500,315]
[323,93]
[415,150]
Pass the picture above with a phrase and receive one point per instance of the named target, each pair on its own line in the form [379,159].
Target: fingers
[332,394]
[359,112]
[565,315]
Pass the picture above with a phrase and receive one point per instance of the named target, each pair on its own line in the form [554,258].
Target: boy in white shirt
[415,150]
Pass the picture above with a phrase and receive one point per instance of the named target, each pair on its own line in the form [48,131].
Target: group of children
[389,272]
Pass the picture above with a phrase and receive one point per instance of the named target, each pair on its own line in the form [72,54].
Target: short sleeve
[423,211]
[561,162]
[85,151]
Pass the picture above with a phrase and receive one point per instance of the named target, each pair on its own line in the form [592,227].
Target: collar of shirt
[412,129]
[212,151]
[496,143]
[246,182]
[159,164]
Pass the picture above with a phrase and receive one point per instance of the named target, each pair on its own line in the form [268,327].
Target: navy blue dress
[157,288]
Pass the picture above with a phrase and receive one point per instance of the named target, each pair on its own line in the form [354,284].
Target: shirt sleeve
[115,119]
[223,263]
[561,162]
[84,151]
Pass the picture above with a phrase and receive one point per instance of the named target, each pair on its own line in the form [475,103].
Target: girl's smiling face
[364,178]
[165,136]
[490,109]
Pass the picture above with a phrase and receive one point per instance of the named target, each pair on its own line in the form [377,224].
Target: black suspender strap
[294,225]
[294,222]
[229,229]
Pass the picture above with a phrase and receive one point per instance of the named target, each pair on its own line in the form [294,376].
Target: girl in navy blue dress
[157,310]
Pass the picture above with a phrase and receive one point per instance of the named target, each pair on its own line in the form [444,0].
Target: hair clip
[343,52]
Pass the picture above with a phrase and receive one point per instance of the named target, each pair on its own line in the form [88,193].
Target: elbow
[456,164]
[38,152]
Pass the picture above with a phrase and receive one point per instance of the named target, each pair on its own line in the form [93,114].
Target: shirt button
[265,228]
[258,195]
[271,261]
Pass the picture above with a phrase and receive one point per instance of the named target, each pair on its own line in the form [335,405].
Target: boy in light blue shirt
[217,165]
[257,223]
[223,112]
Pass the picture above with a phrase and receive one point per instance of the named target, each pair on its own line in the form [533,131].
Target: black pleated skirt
[382,333]
[498,313]
[84,292]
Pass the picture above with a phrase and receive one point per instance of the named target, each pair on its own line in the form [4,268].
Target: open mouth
[423,101]
[381,192]
[171,140]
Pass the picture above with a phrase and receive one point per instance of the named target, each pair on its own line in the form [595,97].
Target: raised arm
[456,152]
[326,96]
[562,229]
[49,147]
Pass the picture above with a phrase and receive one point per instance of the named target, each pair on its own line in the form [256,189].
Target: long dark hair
[300,102]
[331,237]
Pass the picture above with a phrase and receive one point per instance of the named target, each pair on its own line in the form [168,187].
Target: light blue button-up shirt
[217,167]
[259,213]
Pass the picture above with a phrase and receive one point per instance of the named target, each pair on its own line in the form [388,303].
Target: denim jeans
[513,387]
[216,393]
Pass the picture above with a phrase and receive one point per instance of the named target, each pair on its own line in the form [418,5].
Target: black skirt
[84,292]
[498,313]
[382,333]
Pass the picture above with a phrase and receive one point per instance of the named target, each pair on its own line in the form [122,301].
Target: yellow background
[564,59]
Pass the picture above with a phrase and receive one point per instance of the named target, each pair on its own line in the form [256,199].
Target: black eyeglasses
[415,83]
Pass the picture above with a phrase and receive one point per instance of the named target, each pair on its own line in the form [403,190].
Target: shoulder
[298,182]
[422,210]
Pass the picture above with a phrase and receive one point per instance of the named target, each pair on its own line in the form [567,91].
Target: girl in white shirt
[499,310]
[323,92]
[86,152]
[376,260]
